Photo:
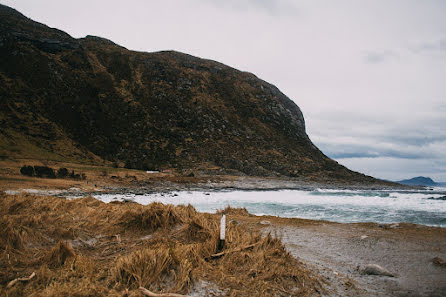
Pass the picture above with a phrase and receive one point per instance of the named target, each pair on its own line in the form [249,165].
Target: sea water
[427,207]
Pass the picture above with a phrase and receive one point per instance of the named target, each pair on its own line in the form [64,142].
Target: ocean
[426,207]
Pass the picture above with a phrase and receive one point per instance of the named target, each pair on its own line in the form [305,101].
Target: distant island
[419,181]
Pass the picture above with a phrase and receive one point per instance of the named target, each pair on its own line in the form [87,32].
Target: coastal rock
[394,226]
[439,262]
[374,269]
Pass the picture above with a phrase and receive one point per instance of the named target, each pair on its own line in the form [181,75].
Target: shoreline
[169,194]
[172,189]
[209,183]
[333,253]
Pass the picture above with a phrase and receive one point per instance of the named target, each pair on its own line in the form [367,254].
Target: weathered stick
[234,250]
[146,292]
[20,279]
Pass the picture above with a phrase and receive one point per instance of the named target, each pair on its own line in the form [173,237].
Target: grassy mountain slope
[90,99]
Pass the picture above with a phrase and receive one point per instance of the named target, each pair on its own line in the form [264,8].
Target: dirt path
[336,250]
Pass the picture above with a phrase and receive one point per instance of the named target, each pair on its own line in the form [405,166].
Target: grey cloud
[371,139]
[397,169]
[272,7]
[439,45]
[375,57]
[337,151]
[417,140]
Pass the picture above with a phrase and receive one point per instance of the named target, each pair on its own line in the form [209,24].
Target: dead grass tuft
[60,254]
[156,215]
[112,249]
[12,236]
[228,210]
[157,268]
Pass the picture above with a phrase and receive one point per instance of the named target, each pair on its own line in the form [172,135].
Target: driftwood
[20,279]
[234,250]
[146,292]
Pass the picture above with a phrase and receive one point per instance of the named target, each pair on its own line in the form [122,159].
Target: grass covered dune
[84,247]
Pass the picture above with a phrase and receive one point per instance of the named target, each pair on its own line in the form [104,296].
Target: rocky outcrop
[149,110]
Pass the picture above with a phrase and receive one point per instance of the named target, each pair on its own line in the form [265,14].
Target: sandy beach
[338,252]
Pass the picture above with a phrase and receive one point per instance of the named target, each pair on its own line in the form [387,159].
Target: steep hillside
[90,99]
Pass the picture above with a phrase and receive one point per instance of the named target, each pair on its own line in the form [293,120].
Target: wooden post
[221,242]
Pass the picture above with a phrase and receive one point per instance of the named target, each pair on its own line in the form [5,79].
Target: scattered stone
[147,237]
[394,225]
[389,226]
[373,269]
[439,262]
[364,236]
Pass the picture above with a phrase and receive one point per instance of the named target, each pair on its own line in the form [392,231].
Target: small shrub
[62,172]
[27,170]
[44,171]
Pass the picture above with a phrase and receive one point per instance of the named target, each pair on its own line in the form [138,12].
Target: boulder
[374,269]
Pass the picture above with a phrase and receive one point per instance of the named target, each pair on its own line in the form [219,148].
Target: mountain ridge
[91,99]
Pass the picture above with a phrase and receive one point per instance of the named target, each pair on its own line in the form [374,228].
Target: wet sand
[336,251]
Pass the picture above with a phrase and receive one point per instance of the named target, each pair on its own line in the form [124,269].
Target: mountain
[418,181]
[91,99]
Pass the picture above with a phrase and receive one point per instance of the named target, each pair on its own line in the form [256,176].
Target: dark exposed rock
[150,110]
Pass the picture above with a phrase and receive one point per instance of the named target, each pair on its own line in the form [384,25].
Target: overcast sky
[369,76]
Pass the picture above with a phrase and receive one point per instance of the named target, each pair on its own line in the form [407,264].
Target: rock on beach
[373,269]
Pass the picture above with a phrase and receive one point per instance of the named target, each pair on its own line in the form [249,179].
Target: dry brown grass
[228,210]
[99,176]
[84,247]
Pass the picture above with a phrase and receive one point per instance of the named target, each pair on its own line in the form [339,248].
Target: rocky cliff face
[92,98]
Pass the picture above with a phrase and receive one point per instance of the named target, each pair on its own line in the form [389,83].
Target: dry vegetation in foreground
[84,247]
